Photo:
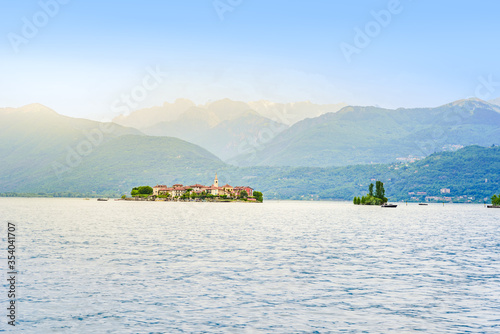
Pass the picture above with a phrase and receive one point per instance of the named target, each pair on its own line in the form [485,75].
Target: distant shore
[214,200]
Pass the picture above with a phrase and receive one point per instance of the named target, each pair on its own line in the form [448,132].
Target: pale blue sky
[88,54]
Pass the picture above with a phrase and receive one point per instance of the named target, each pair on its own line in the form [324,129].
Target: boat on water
[493,206]
[423,204]
[387,205]
[102,199]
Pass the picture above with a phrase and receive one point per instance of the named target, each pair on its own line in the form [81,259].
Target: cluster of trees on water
[143,190]
[372,198]
[495,200]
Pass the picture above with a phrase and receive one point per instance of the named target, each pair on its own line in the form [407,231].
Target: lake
[156,267]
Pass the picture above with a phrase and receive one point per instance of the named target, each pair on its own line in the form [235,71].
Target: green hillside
[360,135]
[472,172]
[43,151]
[124,162]
[33,137]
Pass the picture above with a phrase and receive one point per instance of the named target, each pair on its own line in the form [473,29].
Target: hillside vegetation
[363,135]
[473,171]
[43,151]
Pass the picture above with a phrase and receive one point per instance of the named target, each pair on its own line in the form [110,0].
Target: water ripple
[286,267]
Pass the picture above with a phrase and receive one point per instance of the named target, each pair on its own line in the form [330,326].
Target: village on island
[196,193]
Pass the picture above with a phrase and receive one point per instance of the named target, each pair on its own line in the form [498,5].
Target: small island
[495,202]
[196,193]
[377,198]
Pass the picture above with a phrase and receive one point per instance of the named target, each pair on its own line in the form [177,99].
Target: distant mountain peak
[472,104]
[33,108]
[227,103]
[495,101]
[467,102]
[36,107]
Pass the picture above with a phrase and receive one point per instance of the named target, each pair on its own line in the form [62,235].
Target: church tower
[216,181]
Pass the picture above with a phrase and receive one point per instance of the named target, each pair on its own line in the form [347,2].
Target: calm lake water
[284,267]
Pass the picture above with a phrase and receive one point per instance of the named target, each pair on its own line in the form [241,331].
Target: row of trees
[372,198]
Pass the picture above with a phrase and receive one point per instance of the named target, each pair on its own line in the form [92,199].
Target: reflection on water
[124,267]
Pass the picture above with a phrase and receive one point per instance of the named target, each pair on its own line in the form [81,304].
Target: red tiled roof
[197,186]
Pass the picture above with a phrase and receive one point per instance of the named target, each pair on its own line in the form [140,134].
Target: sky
[97,59]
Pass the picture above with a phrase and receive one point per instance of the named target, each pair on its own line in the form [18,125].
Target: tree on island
[141,191]
[372,199]
[380,191]
[258,196]
[243,194]
[495,200]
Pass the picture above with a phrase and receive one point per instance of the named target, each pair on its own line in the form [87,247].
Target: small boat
[387,205]
[493,206]
[102,199]
[423,204]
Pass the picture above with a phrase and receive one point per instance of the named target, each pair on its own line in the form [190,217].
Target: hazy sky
[93,58]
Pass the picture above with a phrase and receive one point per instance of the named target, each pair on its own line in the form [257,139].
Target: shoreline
[339,201]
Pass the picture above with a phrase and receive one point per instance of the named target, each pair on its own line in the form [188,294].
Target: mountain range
[364,135]
[271,134]
[226,128]
[44,152]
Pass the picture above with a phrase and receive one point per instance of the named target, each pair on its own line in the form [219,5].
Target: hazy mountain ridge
[226,139]
[39,146]
[359,135]
[225,109]
[495,101]
[147,117]
[213,125]
[291,113]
